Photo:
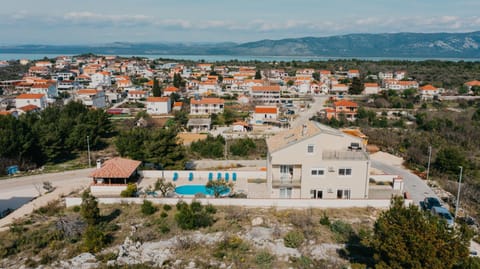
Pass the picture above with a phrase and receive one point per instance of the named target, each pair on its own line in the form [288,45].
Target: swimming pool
[194,189]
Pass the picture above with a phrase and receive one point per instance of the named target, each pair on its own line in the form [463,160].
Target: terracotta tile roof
[28,108]
[325,72]
[171,89]
[30,96]
[345,103]
[137,92]
[177,104]
[353,71]
[371,84]
[289,137]
[87,91]
[473,83]
[242,123]
[275,88]
[428,87]
[116,168]
[158,99]
[266,109]
[207,101]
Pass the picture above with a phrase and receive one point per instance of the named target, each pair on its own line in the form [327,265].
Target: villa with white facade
[206,106]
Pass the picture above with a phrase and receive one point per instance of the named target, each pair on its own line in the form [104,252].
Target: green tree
[258,74]
[194,216]
[449,159]
[156,90]
[219,187]
[476,115]
[356,87]
[405,237]
[89,208]
[130,191]
[148,208]
[242,147]
[163,186]
[93,239]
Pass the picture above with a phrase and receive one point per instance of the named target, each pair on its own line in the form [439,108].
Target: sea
[241,58]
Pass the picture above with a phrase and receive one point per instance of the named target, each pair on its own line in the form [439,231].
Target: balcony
[281,183]
[345,155]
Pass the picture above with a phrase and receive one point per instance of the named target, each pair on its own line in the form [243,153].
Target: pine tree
[156,90]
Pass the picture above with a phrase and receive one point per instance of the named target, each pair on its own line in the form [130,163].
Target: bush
[131,190]
[194,216]
[264,259]
[93,239]
[293,239]
[167,207]
[148,208]
[342,230]
[164,215]
[324,220]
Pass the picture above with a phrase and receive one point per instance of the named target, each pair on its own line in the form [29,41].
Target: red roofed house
[112,177]
[206,106]
[169,90]
[91,98]
[343,107]
[266,94]
[177,106]
[158,105]
[428,91]
[353,73]
[137,95]
[101,79]
[28,99]
[473,83]
[265,113]
[371,88]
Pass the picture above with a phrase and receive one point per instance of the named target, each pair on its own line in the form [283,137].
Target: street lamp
[458,194]
[429,158]
[88,149]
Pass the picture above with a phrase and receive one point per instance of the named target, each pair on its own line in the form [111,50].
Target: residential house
[473,83]
[91,98]
[158,105]
[198,125]
[241,126]
[428,92]
[353,73]
[400,85]
[242,99]
[137,95]
[36,99]
[339,89]
[206,106]
[385,75]
[315,161]
[49,90]
[206,87]
[263,114]
[169,90]
[101,79]
[266,94]
[177,106]
[346,108]
[399,75]
[371,88]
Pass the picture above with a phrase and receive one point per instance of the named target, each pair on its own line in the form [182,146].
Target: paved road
[19,191]
[414,185]
[304,116]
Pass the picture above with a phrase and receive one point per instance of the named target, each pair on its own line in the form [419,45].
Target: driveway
[415,186]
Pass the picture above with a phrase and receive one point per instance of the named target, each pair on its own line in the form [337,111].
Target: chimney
[99,163]
[304,130]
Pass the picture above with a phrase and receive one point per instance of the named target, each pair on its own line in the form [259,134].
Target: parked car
[290,112]
[443,213]
[430,202]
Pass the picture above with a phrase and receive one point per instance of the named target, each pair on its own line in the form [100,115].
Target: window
[345,171]
[316,194]
[310,148]
[318,171]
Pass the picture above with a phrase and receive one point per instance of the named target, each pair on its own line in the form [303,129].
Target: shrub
[342,230]
[167,207]
[93,239]
[163,215]
[264,259]
[148,208]
[293,239]
[193,216]
[324,220]
[76,208]
[131,190]
[89,208]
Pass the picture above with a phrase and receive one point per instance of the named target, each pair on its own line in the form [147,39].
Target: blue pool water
[194,189]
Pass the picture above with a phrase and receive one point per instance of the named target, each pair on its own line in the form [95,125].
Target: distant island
[403,45]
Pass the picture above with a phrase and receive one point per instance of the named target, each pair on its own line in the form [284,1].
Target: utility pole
[458,193]
[429,158]
[88,149]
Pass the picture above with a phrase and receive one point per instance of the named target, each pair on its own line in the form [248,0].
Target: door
[286,172]
[285,192]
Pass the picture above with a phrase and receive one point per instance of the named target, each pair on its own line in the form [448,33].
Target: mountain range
[405,45]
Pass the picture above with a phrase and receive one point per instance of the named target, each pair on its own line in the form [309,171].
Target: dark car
[430,202]
[290,112]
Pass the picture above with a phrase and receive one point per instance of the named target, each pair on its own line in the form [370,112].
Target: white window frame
[345,169]
[317,170]
[312,146]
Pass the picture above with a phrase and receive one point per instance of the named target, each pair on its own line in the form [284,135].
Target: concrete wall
[253,203]
[107,190]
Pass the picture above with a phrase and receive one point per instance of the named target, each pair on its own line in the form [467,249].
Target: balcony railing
[293,183]
[345,155]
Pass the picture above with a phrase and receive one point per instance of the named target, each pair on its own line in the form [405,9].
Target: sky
[106,21]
